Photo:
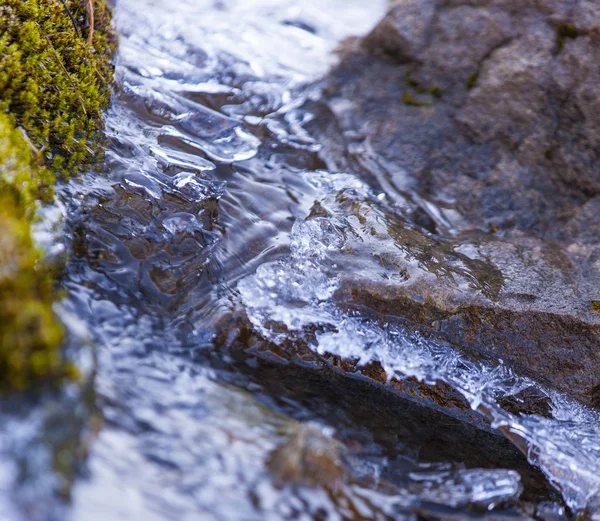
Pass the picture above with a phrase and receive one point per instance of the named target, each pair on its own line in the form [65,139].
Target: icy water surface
[212,242]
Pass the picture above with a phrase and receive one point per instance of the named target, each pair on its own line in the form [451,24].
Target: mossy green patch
[414,84]
[418,95]
[472,80]
[564,31]
[55,74]
[413,101]
[54,80]
[30,335]
[436,91]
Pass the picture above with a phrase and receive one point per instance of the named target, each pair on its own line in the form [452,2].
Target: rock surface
[499,99]
[401,427]
[480,120]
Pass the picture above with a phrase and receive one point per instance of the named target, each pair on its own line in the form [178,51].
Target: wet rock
[408,434]
[477,120]
[311,456]
[547,511]
[545,346]
[403,33]
[435,513]
[510,135]
[518,299]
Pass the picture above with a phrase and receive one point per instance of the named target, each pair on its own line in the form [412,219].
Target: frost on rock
[295,295]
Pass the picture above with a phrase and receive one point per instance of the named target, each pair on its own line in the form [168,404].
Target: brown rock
[487,106]
[481,118]
[309,457]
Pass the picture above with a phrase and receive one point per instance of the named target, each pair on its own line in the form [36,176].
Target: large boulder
[489,106]
[481,119]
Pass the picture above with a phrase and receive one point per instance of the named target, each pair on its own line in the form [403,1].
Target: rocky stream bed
[336,264]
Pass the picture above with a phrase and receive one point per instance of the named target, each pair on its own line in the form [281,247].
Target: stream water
[212,240]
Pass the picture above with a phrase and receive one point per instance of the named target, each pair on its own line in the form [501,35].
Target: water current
[201,302]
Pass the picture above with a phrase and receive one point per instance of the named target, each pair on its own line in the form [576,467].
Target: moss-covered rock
[504,167]
[55,73]
[29,333]
[55,76]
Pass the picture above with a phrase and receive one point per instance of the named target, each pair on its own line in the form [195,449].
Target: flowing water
[201,301]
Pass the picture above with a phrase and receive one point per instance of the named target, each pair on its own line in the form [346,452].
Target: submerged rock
[478,121]
[309,457]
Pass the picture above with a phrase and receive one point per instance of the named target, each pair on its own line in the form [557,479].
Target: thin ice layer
[296,293]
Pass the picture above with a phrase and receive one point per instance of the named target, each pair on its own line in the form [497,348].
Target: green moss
[411,100]
[472,80]
[564,31]
[54,84]
[30,335]
[435,91]
[595,305]
[418,95]
[413,83]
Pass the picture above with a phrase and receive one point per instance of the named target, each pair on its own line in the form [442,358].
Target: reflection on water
[217,221]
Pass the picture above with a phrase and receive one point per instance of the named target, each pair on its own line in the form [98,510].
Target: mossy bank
[55,75]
